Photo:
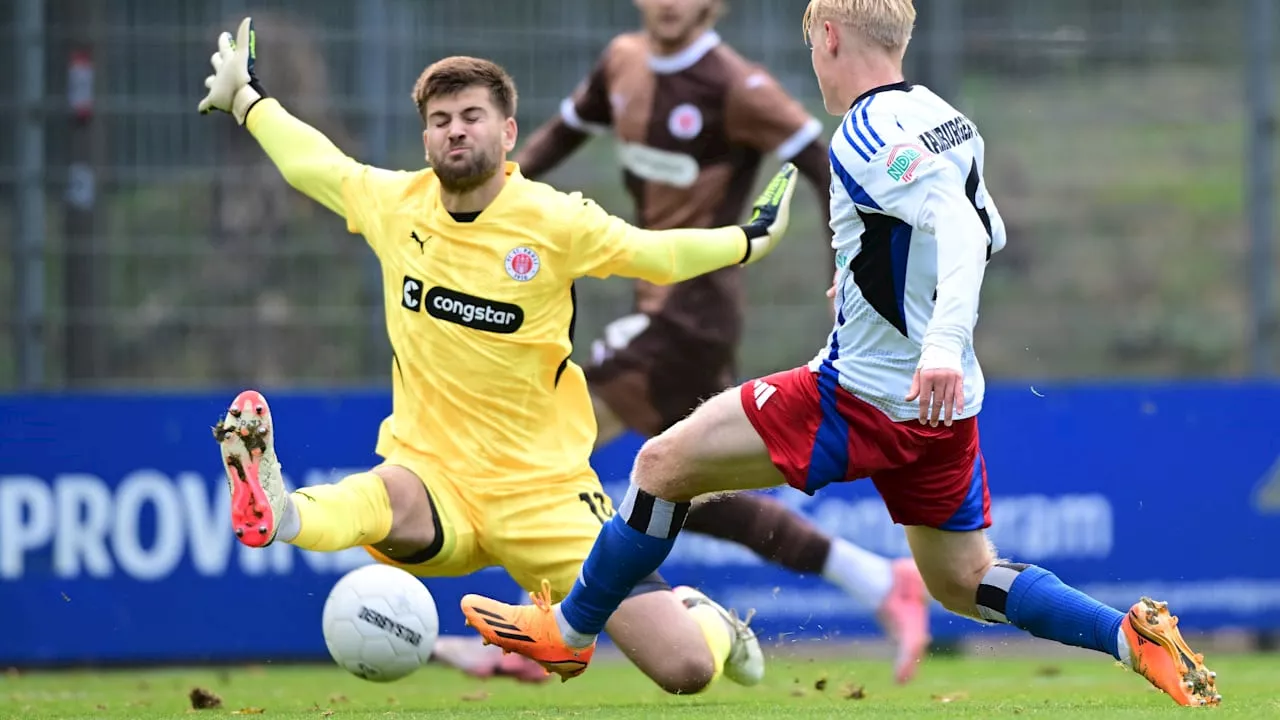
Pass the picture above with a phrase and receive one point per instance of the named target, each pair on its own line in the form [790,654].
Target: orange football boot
[1158,653]
[528,630]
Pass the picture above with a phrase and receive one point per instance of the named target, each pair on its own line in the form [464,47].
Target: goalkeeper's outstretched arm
[306,158]
[607,245]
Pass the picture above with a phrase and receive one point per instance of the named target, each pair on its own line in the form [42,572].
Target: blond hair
[886,23]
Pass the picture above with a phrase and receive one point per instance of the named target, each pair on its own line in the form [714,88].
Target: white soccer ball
[380,623]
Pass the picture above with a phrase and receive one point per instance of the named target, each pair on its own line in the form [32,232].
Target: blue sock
[1035,600]
[629,548]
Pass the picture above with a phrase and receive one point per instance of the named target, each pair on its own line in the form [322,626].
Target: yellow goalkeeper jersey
[480,311]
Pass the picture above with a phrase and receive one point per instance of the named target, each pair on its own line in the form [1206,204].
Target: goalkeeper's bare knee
[413,522]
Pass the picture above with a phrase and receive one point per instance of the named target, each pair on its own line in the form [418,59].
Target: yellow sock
[352,512]
[716,632]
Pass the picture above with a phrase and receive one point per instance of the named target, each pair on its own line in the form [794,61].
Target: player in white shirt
[893,396]
[895,161]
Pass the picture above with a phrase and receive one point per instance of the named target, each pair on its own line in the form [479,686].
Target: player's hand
[939,386]
[770,215]
[233,88]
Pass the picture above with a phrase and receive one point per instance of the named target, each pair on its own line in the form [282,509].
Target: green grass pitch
[1076,687]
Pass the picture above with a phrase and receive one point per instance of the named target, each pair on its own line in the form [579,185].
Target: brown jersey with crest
[692,130]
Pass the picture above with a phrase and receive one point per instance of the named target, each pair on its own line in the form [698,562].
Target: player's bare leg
[893,589]
[962,572]
[744,661]
[657,633]
[715,449]
[683,640]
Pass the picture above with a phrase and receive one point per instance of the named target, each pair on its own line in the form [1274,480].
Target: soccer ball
[380,623]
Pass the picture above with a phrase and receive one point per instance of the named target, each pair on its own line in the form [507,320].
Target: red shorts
[817,433]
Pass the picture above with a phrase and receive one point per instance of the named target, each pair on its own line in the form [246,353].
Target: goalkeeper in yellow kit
[486,449]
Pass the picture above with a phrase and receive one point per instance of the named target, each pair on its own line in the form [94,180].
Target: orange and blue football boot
[1158,652]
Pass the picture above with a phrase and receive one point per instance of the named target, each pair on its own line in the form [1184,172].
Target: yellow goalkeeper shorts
[544,531]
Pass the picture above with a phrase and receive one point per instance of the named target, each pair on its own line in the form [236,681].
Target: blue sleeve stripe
[844,128]
[851,186]
[853,120]
[866,121]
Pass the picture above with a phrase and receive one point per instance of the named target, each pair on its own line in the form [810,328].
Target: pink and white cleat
[473,657]
[904,615]
[258,497]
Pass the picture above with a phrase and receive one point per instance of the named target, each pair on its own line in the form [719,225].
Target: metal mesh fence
[1115,129]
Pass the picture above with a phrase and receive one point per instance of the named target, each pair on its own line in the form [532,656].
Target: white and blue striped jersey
[913,228]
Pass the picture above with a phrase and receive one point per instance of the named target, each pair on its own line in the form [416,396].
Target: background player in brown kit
[694,119]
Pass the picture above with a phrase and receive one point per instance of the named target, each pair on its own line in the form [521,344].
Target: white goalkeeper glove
[770,214]
[233,88]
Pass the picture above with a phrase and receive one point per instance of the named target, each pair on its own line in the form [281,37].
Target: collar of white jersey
[902,85]
[686,58]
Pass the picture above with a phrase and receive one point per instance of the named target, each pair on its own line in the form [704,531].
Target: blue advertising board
[114,545]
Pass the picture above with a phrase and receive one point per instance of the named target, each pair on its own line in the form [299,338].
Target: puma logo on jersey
[762,391]
[422,244]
